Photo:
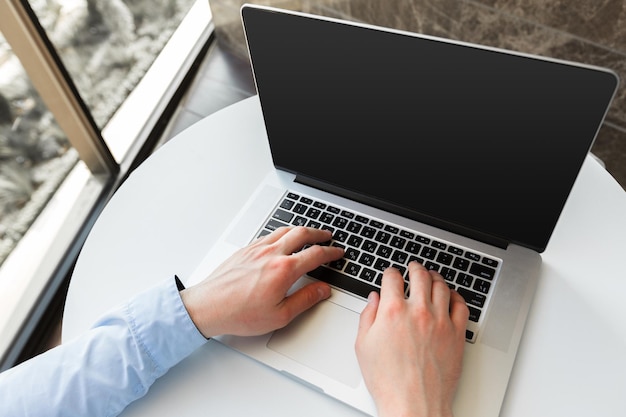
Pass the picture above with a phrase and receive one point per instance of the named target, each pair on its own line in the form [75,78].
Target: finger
[270,238]
[275,235]
[297,237]
[392,285]
[368,315]
[314,256]
[254,246]
[303,299]
[459,313]
[421,283]
[440,293]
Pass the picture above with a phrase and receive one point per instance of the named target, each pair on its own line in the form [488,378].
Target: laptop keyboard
[372,245]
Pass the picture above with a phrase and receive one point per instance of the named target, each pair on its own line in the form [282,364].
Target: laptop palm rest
[322,339]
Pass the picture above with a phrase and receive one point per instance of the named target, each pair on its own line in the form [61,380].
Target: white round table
[572,359]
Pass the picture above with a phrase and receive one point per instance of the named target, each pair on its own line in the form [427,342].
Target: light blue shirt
[110,366]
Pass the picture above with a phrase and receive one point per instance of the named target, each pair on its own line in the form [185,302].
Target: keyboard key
[355,241]
[326,217]
[368,232]
[347,214]
[354,227]
[382,237]
[384,251]
[327,227]
[413,247]
[407,234]
[439,245]
[338,279]
[460,263]
[313,213]
[398,242]
[417,259]
[490,262]
[274,224]
[422,239]
[431,266]
[474,314]
[283,215]
[381,264]
[299,221]
[471,297]
[392,229]
[314,224]
[379,279]
[351,254]
[447,273]
[338,264]
[444,258]
[340,222]
[367,274]
[287,204]
[299,208]
[341,235]
[399,256]
[472,256]
[352,268]
[369,246]
[482,286]
[376,224]
[454,250]
[465,280]
[482,271]
[367,259]
[428,253]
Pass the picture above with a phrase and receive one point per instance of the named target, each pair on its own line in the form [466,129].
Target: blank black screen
[459,135]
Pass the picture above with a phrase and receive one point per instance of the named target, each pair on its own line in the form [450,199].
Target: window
[83,84]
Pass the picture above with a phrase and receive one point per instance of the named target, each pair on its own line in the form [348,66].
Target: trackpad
[322,339]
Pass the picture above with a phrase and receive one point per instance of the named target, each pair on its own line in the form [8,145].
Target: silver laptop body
[483,146]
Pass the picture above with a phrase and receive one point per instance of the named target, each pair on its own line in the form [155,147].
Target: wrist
[186,297]
[413,409]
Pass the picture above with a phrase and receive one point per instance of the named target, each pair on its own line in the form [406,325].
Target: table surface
[171,210]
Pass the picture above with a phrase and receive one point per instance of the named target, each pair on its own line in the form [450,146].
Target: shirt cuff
[162,327]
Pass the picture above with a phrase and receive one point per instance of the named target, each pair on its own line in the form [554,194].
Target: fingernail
[323,292]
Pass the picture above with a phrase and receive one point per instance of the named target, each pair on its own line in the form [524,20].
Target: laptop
[407,147]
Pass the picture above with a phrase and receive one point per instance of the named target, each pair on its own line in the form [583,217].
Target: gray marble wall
[588,31]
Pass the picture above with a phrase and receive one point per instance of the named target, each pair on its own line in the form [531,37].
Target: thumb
[368,315]
[305,298]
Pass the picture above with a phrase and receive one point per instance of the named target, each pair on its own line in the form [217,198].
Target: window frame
[100,170]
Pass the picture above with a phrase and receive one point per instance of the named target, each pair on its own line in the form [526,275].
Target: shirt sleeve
[108,367]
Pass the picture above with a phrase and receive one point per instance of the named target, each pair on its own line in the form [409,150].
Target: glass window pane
[46,193]
[118,55]
[35,155]
[107,46]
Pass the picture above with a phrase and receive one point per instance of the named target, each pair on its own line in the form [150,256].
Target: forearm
[113,364]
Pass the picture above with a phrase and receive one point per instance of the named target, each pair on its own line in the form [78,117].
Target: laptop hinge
[383,205]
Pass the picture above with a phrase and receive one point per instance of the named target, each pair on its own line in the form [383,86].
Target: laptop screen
[471,139]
